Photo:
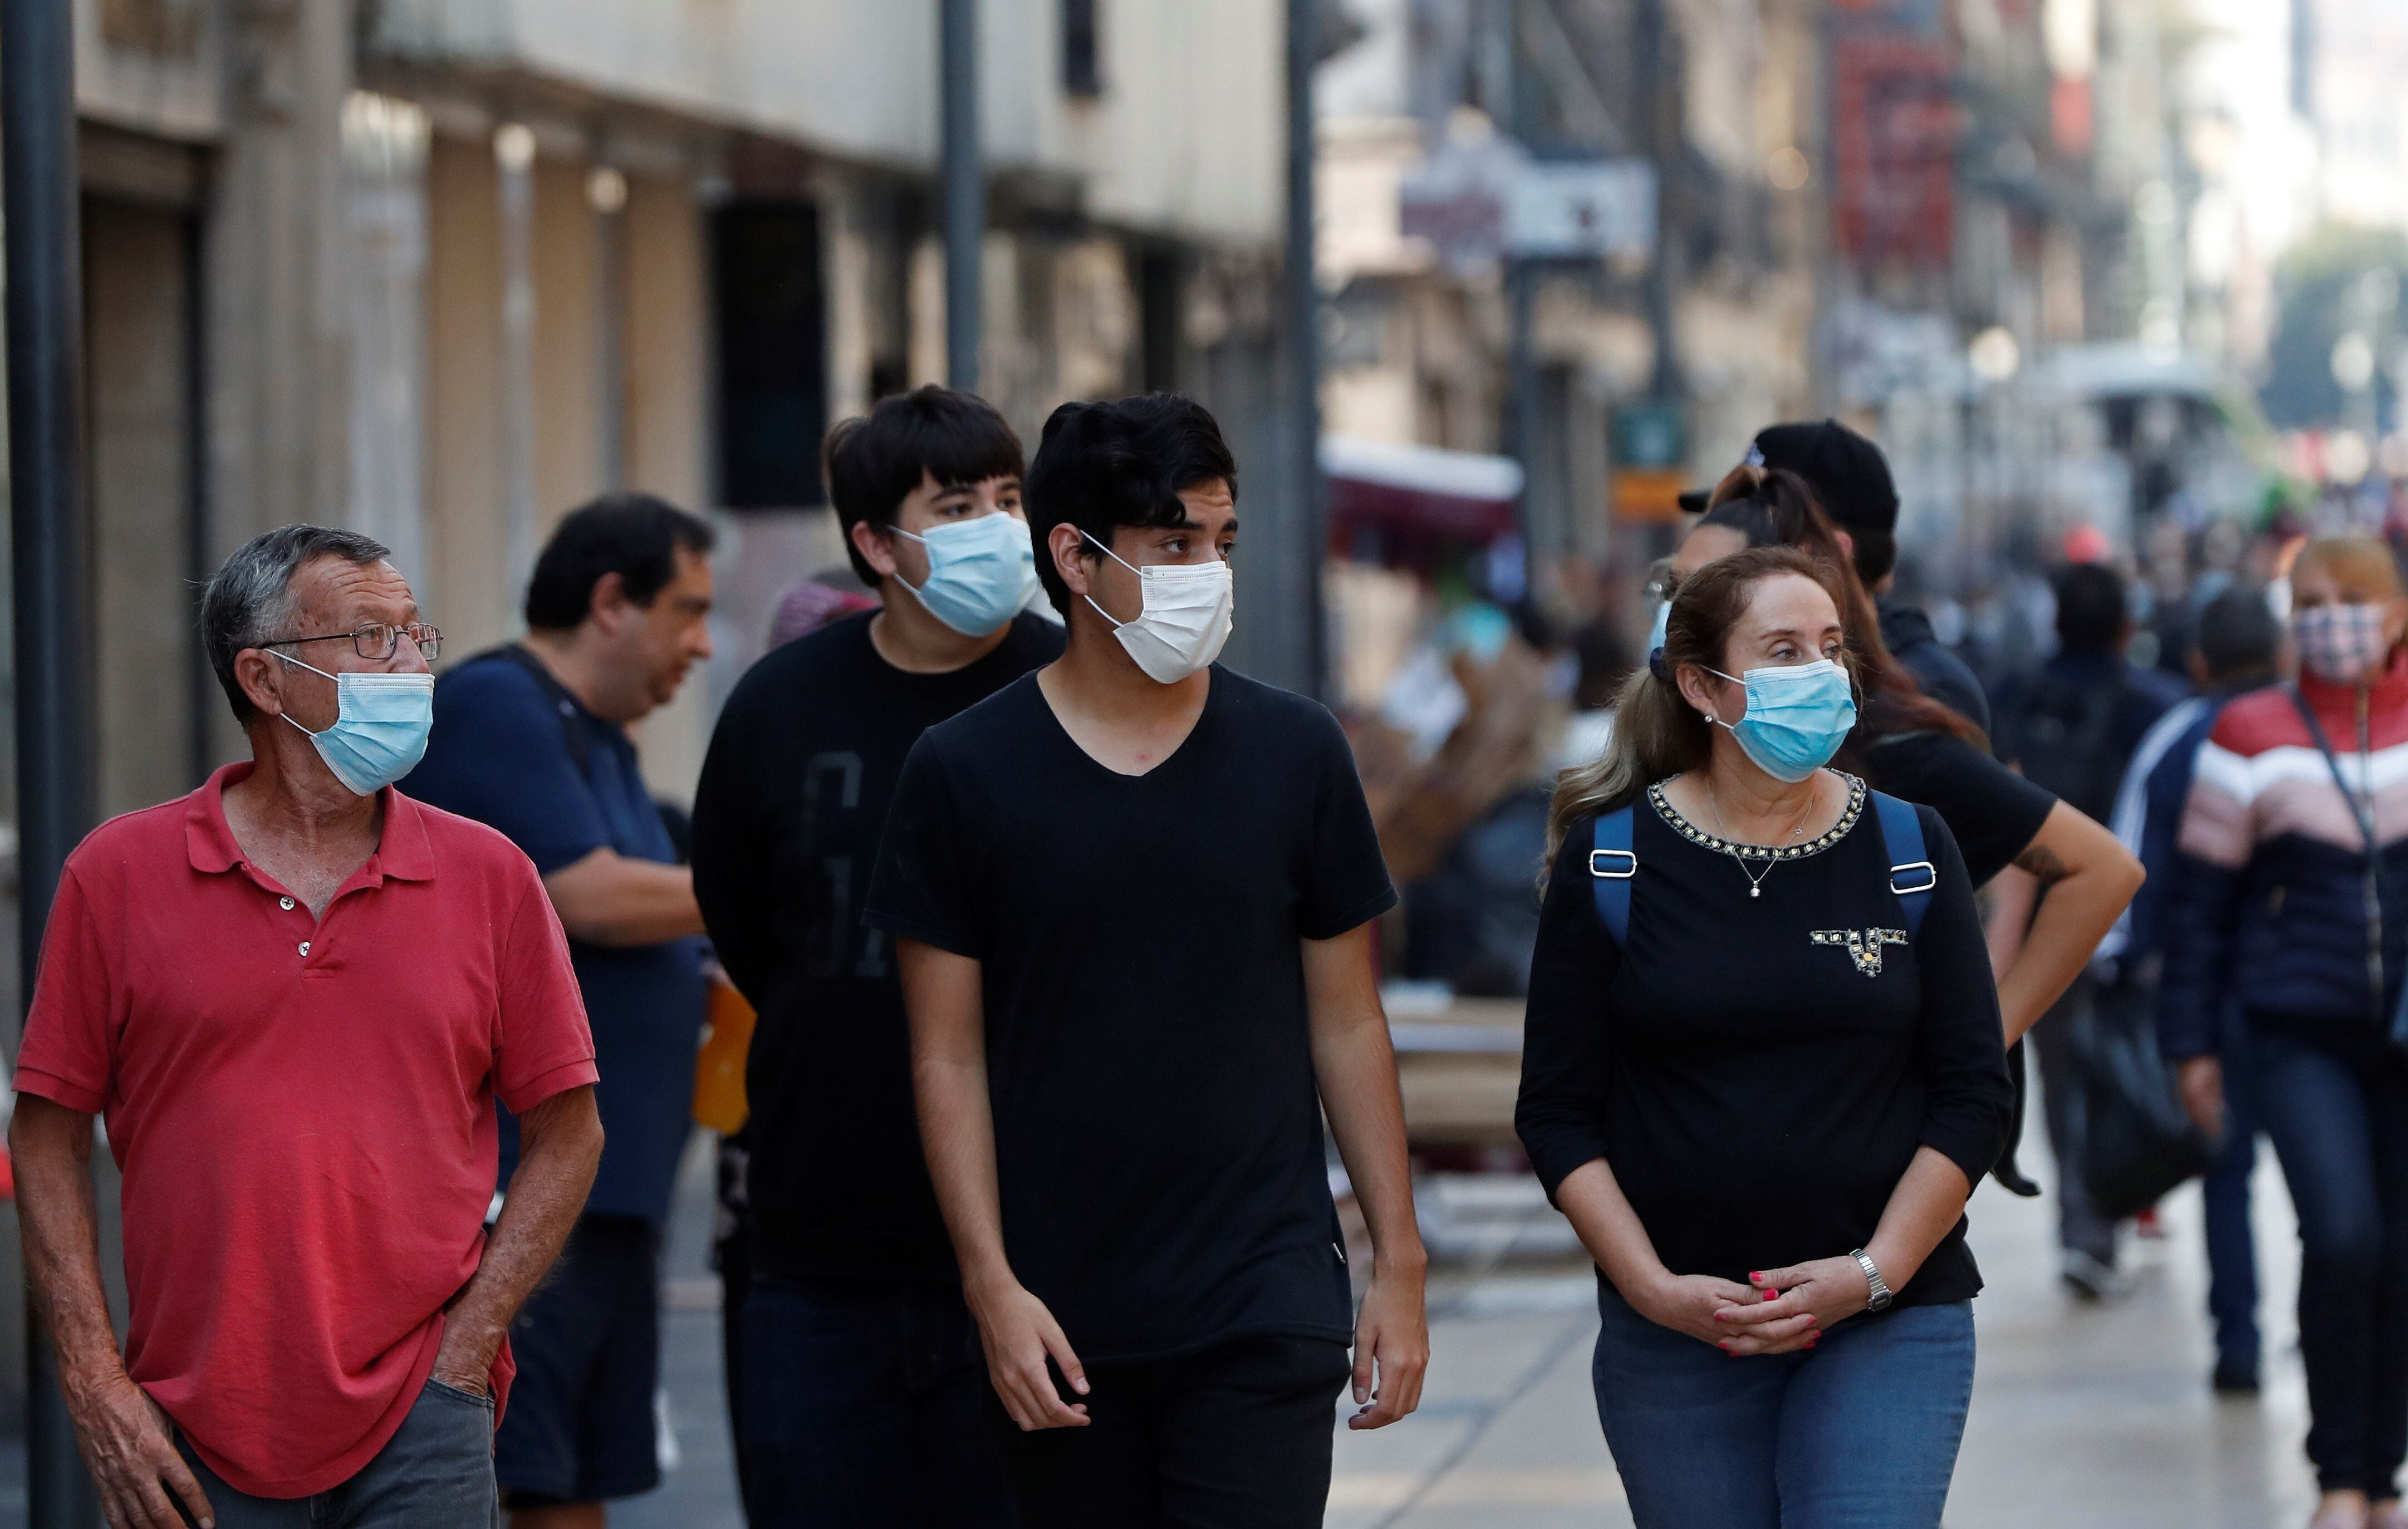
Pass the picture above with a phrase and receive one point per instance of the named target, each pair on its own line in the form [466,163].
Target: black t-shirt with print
[786,822]
[1157,1129]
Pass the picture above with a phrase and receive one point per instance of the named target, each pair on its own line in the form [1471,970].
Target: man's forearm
[561,1146]
[944,996]
[1356,1068]
[612,899]
[50,1150]
[957,1130]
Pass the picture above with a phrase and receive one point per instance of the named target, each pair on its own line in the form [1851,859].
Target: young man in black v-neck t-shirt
[860,1398]
[1131,895]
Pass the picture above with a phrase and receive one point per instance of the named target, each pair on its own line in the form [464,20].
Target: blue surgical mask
[1798,716]
[381,726]
[980,572]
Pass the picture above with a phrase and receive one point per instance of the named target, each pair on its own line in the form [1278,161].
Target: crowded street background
[691,411]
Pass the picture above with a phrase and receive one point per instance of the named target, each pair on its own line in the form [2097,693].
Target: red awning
[1418,493]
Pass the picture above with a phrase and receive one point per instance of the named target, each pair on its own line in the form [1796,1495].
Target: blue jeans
[865,1406]
[1858,1433]
[2231,1247]
[2337,1112]
[437,1469]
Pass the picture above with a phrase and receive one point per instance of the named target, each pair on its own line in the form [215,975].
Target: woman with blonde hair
[1762,1072]
[2293,904]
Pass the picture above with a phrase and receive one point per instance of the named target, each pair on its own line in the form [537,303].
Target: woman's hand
[1689,1303]
[1789,1308]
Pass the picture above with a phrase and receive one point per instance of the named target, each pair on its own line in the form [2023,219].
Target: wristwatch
[1880,1296]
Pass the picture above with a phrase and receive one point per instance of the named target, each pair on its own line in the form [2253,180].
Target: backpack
[1613,866]
[2064,739]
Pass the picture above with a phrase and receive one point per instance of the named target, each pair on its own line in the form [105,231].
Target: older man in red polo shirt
[294,995]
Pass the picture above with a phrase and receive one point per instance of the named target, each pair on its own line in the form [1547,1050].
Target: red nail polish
[1754,1275]
[1772,1295]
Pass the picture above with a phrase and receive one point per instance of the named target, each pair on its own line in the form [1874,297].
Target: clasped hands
[1777,1311]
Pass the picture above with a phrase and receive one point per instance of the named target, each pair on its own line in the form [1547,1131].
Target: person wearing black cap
[1851,476]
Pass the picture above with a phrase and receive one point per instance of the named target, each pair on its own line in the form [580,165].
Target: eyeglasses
[1663,581]
[376,642]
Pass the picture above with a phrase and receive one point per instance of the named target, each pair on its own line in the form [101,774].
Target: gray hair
[249,598]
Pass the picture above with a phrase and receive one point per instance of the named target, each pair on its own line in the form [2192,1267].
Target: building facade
[442,269]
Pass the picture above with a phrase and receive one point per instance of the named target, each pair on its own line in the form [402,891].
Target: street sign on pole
[1484,200]
[1650,441]
[1581,209]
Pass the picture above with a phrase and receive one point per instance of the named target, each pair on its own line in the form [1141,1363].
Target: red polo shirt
[303,1110]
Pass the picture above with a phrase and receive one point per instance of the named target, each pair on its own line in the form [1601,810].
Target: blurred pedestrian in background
[863,1395]
[1764,1070]
[297,994]
[2072,727]
[2237,644]
[1133,897]
[2289,903]
[532,739]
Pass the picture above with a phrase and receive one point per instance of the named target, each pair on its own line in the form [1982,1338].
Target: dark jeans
[864,1406]
[2231,1247]
[1859,1433]
[2337,1113]
[437,1468]
[1235,1438]
[2080,1227]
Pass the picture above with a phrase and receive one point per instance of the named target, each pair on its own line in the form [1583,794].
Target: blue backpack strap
[1610,866]
[1911,875]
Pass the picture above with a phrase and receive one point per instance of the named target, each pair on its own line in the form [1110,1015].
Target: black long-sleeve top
[1759,1071]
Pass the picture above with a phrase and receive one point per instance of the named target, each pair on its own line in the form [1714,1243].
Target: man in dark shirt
[2072,728]
[532,739]
[1132,896]
[864,1395]
[2238,645]
[1852,478]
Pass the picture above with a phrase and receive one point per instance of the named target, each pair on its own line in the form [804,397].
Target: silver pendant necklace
[1731,845]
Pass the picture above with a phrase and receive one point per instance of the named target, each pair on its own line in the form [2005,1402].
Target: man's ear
[254,670]
[608,605]
[870,542]
[1066,546]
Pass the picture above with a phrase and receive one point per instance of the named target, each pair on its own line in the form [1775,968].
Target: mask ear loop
[313,669]
[1131,567]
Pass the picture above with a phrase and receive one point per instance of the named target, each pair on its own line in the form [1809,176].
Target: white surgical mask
[1186,619]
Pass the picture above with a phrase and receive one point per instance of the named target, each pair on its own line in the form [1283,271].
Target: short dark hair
[634,535]
[251,595]
[1100,466]
[873,462]
[2090,609]
[2238,635]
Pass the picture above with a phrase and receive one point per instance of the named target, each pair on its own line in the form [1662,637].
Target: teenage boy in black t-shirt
[863,1395]
[1132,895]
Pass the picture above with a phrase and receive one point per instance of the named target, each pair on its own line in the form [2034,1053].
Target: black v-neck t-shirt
[1759,1071]
[1157,1127]
[786,822]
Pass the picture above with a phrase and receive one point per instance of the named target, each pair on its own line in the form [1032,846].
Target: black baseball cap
[1846,471]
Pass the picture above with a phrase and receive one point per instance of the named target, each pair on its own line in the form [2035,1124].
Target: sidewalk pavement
[2084,1417]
